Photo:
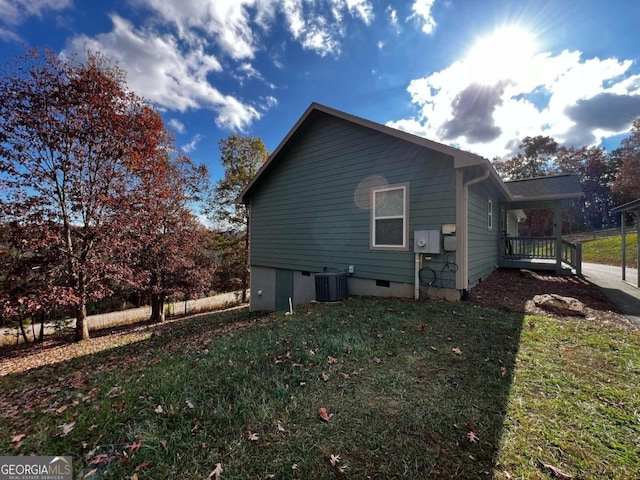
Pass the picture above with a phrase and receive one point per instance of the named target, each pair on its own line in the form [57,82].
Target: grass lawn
[608,251]
[411,390]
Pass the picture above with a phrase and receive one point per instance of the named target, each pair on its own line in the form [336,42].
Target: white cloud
[15,12]
[177,125]
[193,144]
[484,106]
[422,13]
[171,77]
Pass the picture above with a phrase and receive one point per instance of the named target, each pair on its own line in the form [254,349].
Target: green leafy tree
[535,159]
[241,157]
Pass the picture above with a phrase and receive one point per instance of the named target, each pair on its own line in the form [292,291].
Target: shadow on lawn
[409,383]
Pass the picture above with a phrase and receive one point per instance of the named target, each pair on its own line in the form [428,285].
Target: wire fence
[10,336]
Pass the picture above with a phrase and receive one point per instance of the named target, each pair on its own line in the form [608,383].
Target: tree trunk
[157,307]
[82,328]
[22,331]
[41,336]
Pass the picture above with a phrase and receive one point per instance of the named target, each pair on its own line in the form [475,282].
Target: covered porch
[539,252]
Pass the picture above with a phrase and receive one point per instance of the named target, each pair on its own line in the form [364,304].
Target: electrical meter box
[450,243]
[426,241]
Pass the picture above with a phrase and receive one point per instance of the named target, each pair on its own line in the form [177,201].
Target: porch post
[638,247]
[624,247]
[557,220]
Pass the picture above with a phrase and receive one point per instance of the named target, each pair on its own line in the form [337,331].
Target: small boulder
[524,273]
[554,303]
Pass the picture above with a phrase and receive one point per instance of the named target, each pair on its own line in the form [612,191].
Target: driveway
[624,296]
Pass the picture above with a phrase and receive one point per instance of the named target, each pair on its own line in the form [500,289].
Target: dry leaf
[324,376]
[17,438]
[114,392]
[90,473]
[343,468]
[294,466]
[503,371]
[134,446]
[164,444]
[188,403]
[100,459]
[456,350]
[324,414]
[331,360]
[61,409]
[230,363]
[66,428]
[142,466]
[253,436]
[334,459]
[377,360]
[158,409]
[217,472]
[555,471]
[280,427]
[134,476]
[473,438]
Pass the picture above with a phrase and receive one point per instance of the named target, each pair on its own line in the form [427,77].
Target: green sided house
[346,204]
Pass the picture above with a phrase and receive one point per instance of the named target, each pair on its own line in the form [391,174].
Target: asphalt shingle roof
[565,185]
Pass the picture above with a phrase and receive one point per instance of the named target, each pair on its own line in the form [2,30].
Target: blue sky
[479,75]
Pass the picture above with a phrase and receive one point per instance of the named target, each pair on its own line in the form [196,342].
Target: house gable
[312,211]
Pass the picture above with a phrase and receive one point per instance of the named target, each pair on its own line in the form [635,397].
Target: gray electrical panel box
[450,243]
[426,241]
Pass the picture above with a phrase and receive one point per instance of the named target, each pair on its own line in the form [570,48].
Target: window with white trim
[389,217]
[490,215]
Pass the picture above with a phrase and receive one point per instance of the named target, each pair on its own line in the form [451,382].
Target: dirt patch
[510,290]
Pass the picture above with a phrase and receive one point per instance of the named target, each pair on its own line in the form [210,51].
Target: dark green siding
[483,243]
[308,213]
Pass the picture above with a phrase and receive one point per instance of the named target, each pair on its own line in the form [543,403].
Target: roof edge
[461,159]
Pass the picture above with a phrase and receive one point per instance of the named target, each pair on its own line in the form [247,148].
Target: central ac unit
[331,287]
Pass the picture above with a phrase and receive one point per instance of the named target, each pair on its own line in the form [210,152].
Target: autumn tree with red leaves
[171,243]
[627,184]
[71,135]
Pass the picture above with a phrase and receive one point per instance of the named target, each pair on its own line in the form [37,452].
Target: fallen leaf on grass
[17,438]
[503,371]
[217,472]
[343,468]
[134,447]
[158,409]
[324,414]
[473,438]
[100,459]
[61,409]
[163,443]
[90,473]
[253,437]
[334,459]
[142,466]
[189,404]
[66,428]
[331,360]
[555,471]
[377,360]
[280,427]
[324,376]
[456,350]
[134,476]
[114,392]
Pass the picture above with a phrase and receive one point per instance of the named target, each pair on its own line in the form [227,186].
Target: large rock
[560,305]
